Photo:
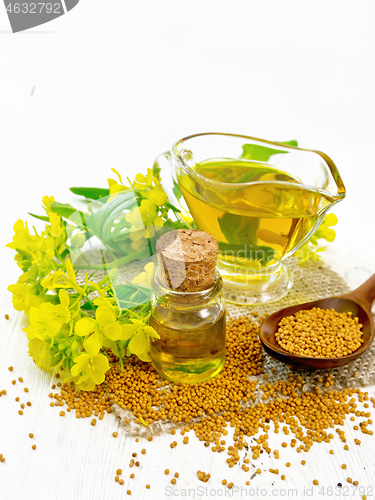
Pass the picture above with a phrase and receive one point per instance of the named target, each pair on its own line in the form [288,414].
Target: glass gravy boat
[261,200]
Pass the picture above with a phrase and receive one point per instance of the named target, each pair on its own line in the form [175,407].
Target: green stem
[101,282]
[83,257]
[110,251]
[119,262]
[129,311]
[119,355]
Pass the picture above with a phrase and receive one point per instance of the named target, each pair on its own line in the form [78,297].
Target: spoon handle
[365,293]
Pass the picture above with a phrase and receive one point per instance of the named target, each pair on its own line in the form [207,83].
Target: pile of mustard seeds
[232,402]
[323,333]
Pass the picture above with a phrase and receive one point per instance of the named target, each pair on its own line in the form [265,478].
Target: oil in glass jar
[188,309]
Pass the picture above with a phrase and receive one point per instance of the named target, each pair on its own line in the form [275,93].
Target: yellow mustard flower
[24,297]
[140,335]
[50,318]
[324,231]
[58,279]
[114,186]
[145,278]
[310,250]
[101,331]
[89,370]
[39,348]
[35,246]
[47,200]
[141,182]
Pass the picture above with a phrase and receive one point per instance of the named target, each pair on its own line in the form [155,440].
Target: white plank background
[277,71]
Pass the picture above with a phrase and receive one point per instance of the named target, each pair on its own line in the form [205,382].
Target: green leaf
[70,213]
[250,252]
[91,193]
[102,221]
[87,306]
[40,217]
[241,233]
[259,153]
[176,190]
[131,295]
[172,207]
[290,143]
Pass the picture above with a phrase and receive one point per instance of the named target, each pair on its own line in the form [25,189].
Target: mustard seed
[166,472]
[117,479]
[148,486]
[34,447]
[173,480]
[316,482]
[115,434]
[31,435]
[10,368]
[119,472]
[121,481]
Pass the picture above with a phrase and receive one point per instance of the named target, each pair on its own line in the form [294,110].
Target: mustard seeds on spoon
[323,333]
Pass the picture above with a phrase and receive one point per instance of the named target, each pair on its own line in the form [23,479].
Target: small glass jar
[191,326]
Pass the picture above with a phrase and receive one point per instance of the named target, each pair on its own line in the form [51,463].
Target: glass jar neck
[187,297]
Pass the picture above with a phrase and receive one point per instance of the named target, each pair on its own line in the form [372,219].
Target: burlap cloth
[311,281]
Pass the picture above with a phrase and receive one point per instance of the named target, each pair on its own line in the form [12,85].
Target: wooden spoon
[358,302]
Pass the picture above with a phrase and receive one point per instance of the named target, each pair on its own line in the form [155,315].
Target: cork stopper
[187,260]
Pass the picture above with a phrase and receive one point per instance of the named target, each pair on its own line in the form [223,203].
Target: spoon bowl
[358,302]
